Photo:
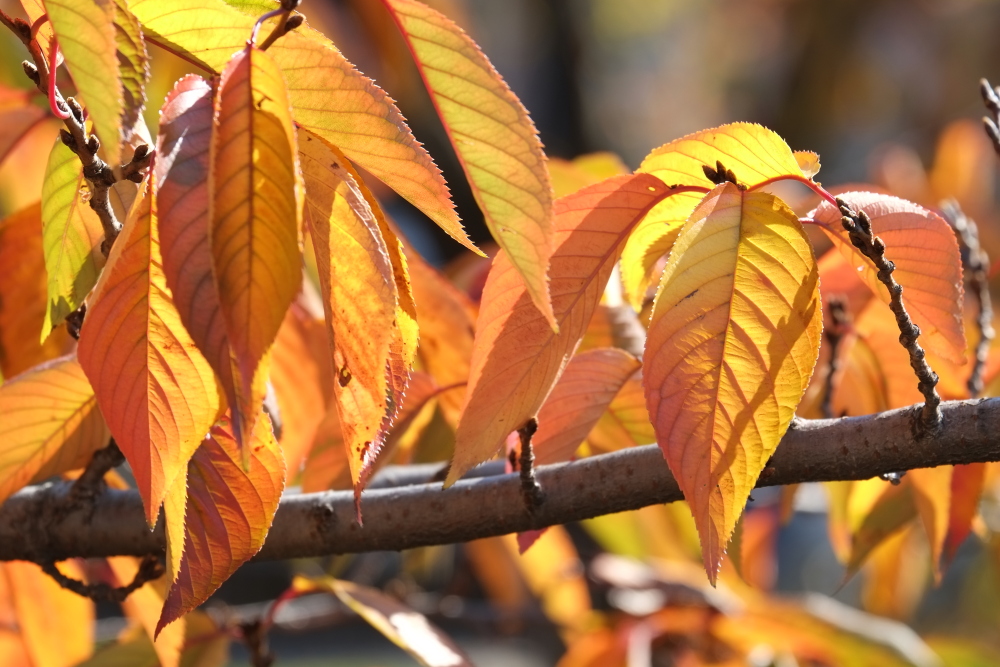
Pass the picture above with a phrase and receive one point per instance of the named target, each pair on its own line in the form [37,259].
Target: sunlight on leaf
[133,64]
[50,424]
[17,116]
[517,358]
[742,272]
[154,387]
[144,605]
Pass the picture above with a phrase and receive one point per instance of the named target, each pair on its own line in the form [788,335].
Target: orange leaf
[155,389]
[144,605]
[754,153]
[255,214]
[966,490]
[407,629]
[447,319]
[17,116]
[568,176]
[928,265]
[517,358]
[894,508]
[23,295]
[626,421]
[932,495]
[330,97]
[182,201]
[229,512]
[302,381]
[589,383]
[493,136]
[360,295]
[327,465]
[57,626]
[732,342]
[50,424]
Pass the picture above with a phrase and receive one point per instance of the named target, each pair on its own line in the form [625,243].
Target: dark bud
[75,109]
[140,152]
[93,143]
[294,22]
[23,29]
[289,5]
[135,177]
[31,72]
[68,139]
[710,173]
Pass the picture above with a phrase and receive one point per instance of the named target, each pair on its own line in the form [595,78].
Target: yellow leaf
[133,61]
[754,153]
[360,296]
[57,625]
[932,496]
[517,358]
[50,424]
[71,236]
[568,176]
[155,389]
[330,97]
[23,295]
[732,343]
[255,216]
[229,512]
[85,30]
[144,605]
[494,138]
[808,162]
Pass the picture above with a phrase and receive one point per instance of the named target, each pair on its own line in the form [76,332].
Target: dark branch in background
[98,173]
[859,228]
[150,569]
[834,334]
[977,265]
[316,524]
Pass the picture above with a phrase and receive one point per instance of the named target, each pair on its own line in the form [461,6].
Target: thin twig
[834,335]
[88,485]
[150,569]
[254,634]
[977,265]
[859,228]
[530,489]
[286,23]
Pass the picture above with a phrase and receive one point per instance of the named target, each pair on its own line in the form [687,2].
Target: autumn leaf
[23,295]
[330,97]
[71,236]
[626,421]
[742,273]
[327,466]
[229,512]
[753,153]
[585,389]
[407,629]
[17,116]
[889,514]
[493,136]
[966,489]
[302,378]
[928,265]
[133,65]
[57,625]
[155,389]
[932,496]
[568,176]
[144,605]
[85,31]
[517,358]
[50,424]
[255,213]
[360,298]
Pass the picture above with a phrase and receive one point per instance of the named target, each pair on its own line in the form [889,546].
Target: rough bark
[36,524]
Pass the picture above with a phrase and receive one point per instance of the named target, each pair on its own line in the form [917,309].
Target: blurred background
[886,91]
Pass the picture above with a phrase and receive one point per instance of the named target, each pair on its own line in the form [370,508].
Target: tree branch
[420,515]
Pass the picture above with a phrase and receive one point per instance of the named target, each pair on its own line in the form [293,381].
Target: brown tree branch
[404,517]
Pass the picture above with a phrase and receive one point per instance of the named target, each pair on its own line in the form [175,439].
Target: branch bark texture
[34,524]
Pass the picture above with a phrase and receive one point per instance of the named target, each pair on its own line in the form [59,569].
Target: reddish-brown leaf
[17,116]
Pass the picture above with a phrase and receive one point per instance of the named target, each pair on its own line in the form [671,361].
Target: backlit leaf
[754,154]
[407,629]
[493,136]
[85,31]
[517,358]
[893,509]
[133,64]
[50,424]
[71,236]
[447,319]
[928,265]
[932,495]
[229,511]
[732,343]
[57,626]
[17,116]
[23,295]
[360,298]
[330,97]
[327,465]
[144,605]
[626,421]
[154,387]
[589,383]
[255,212]
[966,489]
[182,200]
